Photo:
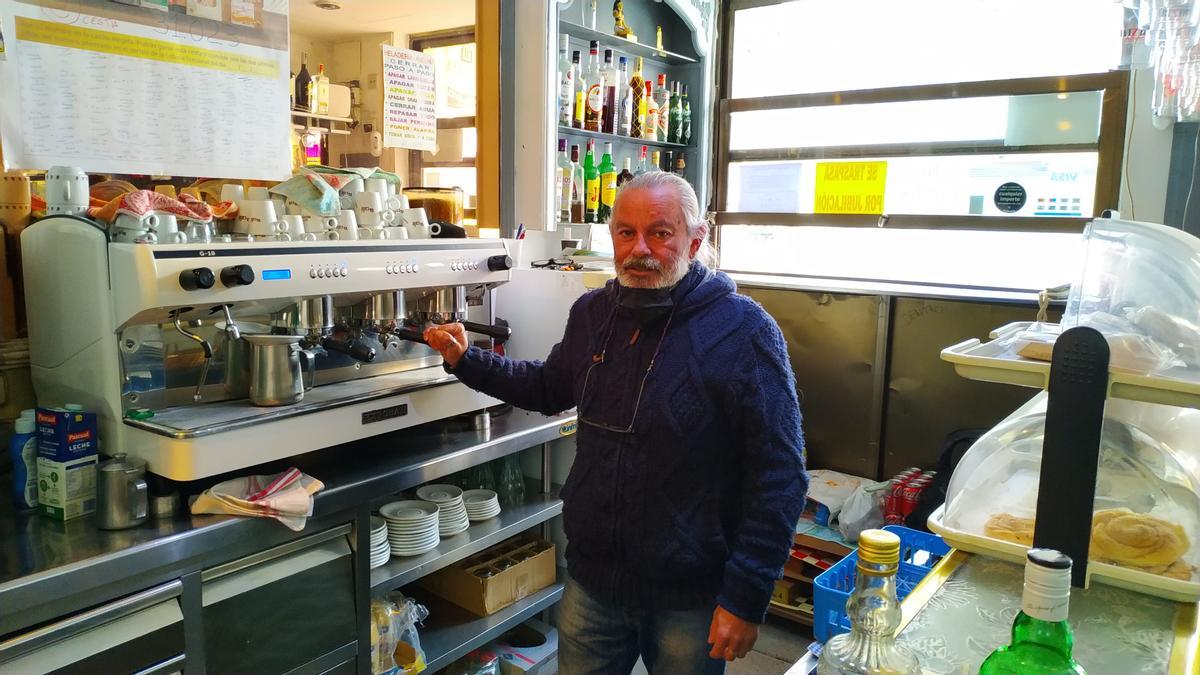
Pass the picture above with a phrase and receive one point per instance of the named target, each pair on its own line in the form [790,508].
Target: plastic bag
[479,662]
[863,510]
[395,645]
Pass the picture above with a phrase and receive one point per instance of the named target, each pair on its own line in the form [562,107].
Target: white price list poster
[409,100]
[116,88]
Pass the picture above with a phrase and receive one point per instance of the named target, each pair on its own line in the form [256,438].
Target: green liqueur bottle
[1041,636]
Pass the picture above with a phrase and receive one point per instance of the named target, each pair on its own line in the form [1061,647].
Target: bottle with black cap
[1041,636]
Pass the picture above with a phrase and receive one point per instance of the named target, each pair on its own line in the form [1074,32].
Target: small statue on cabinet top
[620,28]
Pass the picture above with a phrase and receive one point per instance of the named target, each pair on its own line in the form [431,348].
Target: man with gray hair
[689,475]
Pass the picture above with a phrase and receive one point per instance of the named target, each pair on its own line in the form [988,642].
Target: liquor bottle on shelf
[626,175]
[578,187]
[580,92]
[676,114]
[608,184]
[566,82]
[591,175]
[302,80]
[642,167]
[663,98]
[625,94]
[637,87]
[669,165]
[318,98]
[654,161]
[608,118]
[593,105]
[685,129]
[874,609]
[589,14]
[650,128]
[562,182]
[680,167]
[1041,636]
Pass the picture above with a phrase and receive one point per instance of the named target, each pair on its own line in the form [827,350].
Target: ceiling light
[328,4]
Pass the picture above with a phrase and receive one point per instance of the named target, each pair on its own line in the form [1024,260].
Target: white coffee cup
[67,190]
[397,233]
[257,218]
[258,194]
[320,224]
[388,217]
[167,223]
[292,208]
[416,222]
[294,225]
[348,191]
[369,206]
[348,224]
[377,185]
[143,223]
[232,192]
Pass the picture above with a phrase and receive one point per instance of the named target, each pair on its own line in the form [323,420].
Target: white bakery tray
[1109,575]
[996,361]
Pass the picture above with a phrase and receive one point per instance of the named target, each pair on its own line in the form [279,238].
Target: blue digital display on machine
[275,275]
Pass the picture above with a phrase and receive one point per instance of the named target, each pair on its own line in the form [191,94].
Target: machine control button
[321,272]
[197,279]
[345,271]
[499,263]
[391,269]
[312,274]
[416,267]
[237,275]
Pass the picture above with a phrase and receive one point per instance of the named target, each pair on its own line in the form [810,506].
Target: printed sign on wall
[409,100]
[139,89]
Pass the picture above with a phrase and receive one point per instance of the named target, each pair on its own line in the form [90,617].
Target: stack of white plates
[412,527]
[481,504]
[452,514]
[381,550]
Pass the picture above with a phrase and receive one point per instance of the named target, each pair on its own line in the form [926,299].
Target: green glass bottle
[608,184]
[592,182]
[1041,636]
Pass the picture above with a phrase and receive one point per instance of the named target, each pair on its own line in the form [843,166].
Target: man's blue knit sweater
[699,502]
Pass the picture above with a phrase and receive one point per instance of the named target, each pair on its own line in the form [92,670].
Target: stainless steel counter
[48,569]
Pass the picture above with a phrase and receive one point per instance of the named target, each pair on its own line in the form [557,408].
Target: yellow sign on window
[850,187]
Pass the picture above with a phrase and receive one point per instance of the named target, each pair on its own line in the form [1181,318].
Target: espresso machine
[207,358]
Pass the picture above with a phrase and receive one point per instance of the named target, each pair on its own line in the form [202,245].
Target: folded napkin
[141,202]
[286,497]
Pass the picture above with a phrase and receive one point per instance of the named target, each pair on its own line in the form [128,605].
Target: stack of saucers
[452,515]
[412,527]
[481,504]
[381,550]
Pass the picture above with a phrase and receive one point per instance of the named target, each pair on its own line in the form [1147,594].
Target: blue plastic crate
[919,552]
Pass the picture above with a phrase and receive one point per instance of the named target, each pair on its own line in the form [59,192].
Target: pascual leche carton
[68,451]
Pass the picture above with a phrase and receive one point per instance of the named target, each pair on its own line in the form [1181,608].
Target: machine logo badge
[206,253]
[568,428]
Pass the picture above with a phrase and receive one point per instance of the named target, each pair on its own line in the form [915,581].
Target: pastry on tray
[1119,537]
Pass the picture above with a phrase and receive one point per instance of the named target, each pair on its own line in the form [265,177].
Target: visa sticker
[568,428]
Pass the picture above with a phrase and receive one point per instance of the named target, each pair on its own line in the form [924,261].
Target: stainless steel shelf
[621,45]
[511,522]
[601,136]
[457,632]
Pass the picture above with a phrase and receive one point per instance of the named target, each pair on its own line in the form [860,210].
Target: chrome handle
[208,352]
[230,325]
[74,625]
[140,497]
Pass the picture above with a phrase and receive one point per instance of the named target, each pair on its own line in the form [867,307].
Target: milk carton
[68,451]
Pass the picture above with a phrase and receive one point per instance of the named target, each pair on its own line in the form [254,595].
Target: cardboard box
[529,649]
[497,577]
[786,591]
[68,451]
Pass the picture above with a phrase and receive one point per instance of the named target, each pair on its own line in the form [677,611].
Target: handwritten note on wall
[409,100]
[149,92]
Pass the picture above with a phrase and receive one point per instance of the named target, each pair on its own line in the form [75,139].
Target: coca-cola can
[910,495]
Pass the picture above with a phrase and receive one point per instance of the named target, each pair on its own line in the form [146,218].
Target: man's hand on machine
[449,339]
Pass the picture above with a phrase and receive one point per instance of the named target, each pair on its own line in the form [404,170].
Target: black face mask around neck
[645,304]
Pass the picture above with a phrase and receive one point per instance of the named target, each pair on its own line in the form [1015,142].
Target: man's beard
[666,275]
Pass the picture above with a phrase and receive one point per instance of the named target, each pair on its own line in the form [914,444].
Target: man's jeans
[596,638]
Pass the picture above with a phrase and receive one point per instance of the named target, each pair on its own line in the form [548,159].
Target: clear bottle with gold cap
[874,610]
